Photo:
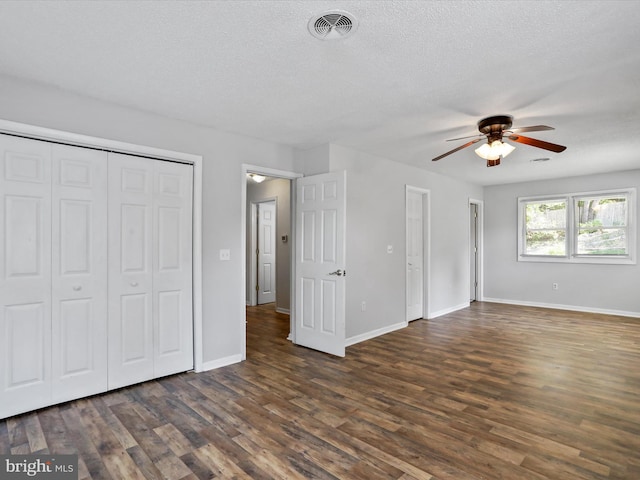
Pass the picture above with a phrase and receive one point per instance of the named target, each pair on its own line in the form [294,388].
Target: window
[592,227]
[602,225]
[546,228]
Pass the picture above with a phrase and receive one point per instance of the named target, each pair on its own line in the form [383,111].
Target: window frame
[572,228]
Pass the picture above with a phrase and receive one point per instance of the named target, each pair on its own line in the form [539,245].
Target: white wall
[590,287]
[278,189]
[376,219]
[223,155]
[314,161]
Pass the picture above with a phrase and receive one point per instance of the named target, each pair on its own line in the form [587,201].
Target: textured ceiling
[414,74]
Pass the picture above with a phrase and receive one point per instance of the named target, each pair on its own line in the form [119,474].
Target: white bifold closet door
[79,272]
[53,323]
[95,271]
[150,279]
[25,261]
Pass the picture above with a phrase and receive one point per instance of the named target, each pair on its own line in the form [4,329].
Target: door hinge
[257,288]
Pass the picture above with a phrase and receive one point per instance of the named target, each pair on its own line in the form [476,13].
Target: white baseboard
[285,311]
[575,308]
[374,333]
[439,313]
[221,362]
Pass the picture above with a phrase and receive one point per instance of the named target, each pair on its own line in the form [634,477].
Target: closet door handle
[134,284]
[77,288]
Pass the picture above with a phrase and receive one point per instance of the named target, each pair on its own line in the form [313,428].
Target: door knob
[338,272]
[77,288]
[134,284]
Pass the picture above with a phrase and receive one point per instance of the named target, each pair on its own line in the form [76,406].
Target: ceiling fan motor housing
[493,127]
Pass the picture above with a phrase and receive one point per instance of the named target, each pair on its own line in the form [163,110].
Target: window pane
[545,242]
[550,214]
[602,211]
[602,241]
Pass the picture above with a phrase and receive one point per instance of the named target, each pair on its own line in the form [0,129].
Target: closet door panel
[25,275]
[25,330]
[172,280]
[135,325]
[79,246]
[131,348]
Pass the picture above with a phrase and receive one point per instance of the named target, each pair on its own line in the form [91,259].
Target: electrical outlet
[225,254]
[554,286]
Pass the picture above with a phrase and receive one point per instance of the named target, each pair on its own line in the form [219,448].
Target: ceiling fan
[494,129]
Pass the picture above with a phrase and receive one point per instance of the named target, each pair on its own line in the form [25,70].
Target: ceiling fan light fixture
[495,150]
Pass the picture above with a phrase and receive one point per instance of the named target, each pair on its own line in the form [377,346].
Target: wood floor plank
[112,452]
[113,424]
[35,436]
[199,469]
[90,463]
[487,392]
[55,432]
[174,439]
[5,444]
[17,435]
[219,463]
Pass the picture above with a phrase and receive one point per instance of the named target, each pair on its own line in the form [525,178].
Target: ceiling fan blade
[468,144]
[462,138]
[534,128]
[538,143]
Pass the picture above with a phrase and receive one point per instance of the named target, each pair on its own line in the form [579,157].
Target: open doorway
[268,215]
[273,190]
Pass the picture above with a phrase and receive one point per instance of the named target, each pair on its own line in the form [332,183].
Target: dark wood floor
[488,392]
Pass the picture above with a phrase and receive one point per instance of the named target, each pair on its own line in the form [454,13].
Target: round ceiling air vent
[332,25]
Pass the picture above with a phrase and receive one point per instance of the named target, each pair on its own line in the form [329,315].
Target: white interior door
[79,272]
[150,277]
[320,262]
[473,251]
[415,255]
[130,270]
[172,268]
[266,252]
[25,275]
